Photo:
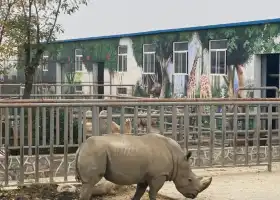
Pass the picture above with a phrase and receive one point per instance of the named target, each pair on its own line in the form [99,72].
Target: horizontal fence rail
[39,137]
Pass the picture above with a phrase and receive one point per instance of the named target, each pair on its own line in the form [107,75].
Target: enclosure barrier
[65,90]
[40,137]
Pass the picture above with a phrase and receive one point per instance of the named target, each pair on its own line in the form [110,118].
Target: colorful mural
[203,79]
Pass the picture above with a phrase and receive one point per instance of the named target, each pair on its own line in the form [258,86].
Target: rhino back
[132,159]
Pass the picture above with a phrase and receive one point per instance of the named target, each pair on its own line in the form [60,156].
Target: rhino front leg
[155,185]
[86,193]
[140,190]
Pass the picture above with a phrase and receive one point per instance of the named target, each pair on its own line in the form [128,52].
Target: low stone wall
[203,159]
[58,167]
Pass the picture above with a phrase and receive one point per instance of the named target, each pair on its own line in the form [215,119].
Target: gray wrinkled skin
[147,160]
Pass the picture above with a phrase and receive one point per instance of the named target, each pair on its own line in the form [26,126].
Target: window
[121,91]
[218,57]
[122,59]
[180,57]
[78,60]
[45,61]
[149,59]
[78,88]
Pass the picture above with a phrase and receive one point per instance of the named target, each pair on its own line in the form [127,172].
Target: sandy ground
[254,183]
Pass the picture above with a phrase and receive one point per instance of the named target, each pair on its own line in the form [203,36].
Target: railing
[40,137]
[64,90]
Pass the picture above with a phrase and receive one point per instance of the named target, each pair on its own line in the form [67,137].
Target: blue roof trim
[196,28]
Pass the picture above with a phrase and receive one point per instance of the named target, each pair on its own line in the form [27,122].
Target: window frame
[187,57]
[122,55]
[122,94]
[78,85]
[154,62]
[217,68]
[78,59]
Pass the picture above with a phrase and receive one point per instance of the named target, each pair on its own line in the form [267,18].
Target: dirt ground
[49,192]
[228,184]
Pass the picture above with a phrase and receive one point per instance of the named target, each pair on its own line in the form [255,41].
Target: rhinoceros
[147,160]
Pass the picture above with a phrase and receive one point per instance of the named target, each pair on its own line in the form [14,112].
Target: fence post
[269,143]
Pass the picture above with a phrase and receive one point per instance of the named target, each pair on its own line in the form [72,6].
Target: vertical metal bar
[51,143]
[80,129]
[29,122]
[109,119]
[57,125]
[174,123]
[95,120]
[44,126]
[84,123]
[235,119]
[269,166]
[97,125]
[66,112]
[37,143]
[199,123]
[71,125]
[258,126]
[161,120]
[7,132]
[212,133]
[224,132]
[186,127]
[21,177]
[246,134]
[149,119]
[278,124]
[15,127]
[1,126]
[135,120]
[122,121]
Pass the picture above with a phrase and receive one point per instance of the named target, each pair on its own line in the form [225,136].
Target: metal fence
[40,137]
[68,91]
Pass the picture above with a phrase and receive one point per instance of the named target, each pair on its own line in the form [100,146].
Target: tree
[9,36]
[36,21]
[164,53]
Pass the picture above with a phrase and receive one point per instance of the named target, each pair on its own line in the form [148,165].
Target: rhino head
[186,182]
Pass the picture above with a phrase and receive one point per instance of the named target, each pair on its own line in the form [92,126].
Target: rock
[104,187]
[66,188]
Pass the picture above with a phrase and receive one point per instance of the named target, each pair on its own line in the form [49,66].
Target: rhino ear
[189,154]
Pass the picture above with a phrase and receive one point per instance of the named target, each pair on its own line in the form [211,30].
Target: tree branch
[55,20]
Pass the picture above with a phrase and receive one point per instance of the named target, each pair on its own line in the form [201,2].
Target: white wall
[133,74]
[111,17]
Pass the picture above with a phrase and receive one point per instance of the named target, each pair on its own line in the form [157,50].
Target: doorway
[272,80]
[272,74]
[100,80]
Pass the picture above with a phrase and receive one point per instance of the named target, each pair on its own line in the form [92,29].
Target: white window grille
[78,60]
[122,91]
[218,57]
[78,88]
[180,58]
[45,61]
[122,59]
[149,59]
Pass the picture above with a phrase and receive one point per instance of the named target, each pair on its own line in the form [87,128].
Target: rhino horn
[205,182]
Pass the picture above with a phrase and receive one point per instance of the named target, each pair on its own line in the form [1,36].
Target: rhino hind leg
[155,184]
[86,189]
[140,190]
